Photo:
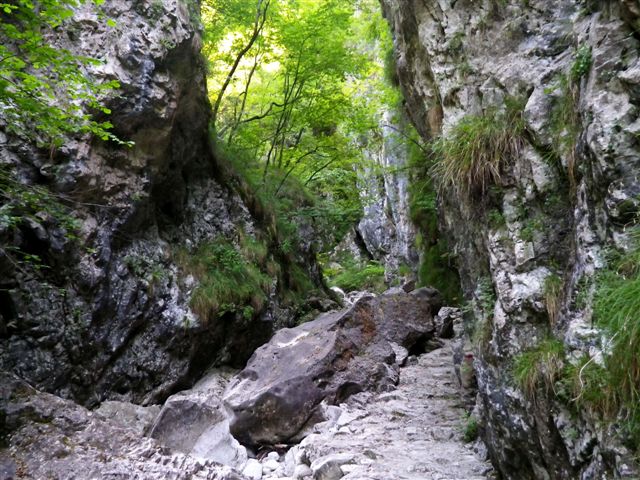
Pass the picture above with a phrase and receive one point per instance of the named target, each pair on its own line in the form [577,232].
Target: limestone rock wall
[109,317]
[386,229]
[547,217]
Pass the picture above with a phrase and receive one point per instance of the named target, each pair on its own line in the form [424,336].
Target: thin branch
[258,25]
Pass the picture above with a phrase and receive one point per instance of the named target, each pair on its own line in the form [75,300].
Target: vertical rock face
[112,316]
[553,211]
[385,228]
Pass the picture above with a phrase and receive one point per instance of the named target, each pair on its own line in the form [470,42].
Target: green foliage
[46,94]
[437,270]
[582,293]
[45,91]
[229,280]
[473,155]
[280,215]
[436,266]
[565,121]
[496,218]
[581,63]
[20,201]
[356,276]
[297,89]
[482,305]
[470,429]
[587,383]
[485,296]
[287,204]
[456,42]
[552,290]
[539,367]
[616,309]
[530,228]
[390,67]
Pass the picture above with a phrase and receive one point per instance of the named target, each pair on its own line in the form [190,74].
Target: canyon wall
[386,230]
[567,197]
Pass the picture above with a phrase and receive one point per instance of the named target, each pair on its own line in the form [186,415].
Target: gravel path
[414,432]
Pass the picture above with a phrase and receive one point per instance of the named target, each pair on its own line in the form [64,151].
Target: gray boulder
[195,422]
[129,415]
[330,358]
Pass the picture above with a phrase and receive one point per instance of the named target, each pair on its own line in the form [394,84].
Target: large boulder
[330,358]
[195,421]
[45,436]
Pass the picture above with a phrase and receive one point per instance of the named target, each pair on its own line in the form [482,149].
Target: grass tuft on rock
[552,290]
[539,367]
[231,279]
[616,310]
[473,155]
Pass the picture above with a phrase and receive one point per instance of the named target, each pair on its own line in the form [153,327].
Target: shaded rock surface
[385,230]
[555,210]
[111,318]
[49,437]
[330,358]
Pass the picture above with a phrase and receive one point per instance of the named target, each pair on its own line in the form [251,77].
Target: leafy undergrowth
[609,384]
[231,279]
[355,276]
[436,267]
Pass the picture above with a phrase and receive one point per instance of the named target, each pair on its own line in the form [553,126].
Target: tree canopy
[297,86]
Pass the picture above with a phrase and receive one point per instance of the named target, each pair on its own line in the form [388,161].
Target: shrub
[21,202]
[539,367]
[581,63]
[436,265]
[565,124]
[528,231]
[496,219]
[474,153]
[357,276]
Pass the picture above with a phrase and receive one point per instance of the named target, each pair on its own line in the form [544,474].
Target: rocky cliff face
[385,228]
[110,314]
[554,210]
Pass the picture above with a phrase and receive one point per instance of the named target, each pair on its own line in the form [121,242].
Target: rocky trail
[412,432]
[337,397]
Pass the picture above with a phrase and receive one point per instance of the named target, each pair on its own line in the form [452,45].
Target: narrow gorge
[320,239]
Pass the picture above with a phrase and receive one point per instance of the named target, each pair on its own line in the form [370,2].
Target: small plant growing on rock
[231,279]
[581,63]
[496,219]
[616,310]
[470,428]
[456,42]
[552,290]
[473,155]
[539,367]
[483,304]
